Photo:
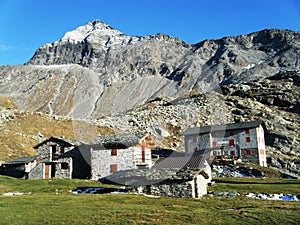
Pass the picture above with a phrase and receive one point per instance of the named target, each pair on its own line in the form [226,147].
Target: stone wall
[194,188]
[250,155]
[37,172]
[44,151]
[64,168]
[102,160]
[170,189]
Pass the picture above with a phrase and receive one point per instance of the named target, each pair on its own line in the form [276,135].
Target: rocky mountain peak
[99,74]
[80,33]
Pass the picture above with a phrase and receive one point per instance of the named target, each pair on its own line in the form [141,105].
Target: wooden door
[47,171]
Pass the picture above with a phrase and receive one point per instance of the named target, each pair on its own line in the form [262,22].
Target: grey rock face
[118,57]
[114,63]
[275,100]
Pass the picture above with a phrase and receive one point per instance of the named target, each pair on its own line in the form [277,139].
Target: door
[47,171]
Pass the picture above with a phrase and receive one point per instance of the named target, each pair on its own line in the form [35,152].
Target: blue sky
[26,25]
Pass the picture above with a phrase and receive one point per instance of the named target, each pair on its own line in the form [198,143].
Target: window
[114,152]
[231,142]
[247,139]
[231,133]
[214,144]
[53,152]
[113,168]
[195,149]
[194,139]
[262,151]
[232,153]
[64,166]
[53,148]
[249,152]
[62,149]
[247,131]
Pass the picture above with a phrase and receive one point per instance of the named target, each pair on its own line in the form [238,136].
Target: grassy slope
[17,137]
[51,203]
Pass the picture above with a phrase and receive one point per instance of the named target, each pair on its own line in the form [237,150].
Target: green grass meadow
[50,202]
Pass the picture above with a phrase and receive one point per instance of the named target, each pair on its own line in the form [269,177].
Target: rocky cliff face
[165,85]
[109,64]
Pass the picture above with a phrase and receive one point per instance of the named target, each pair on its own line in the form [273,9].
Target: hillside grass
[17,137]
[245,185]
[50,202]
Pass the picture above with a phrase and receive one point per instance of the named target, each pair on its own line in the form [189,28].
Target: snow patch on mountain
[80,33]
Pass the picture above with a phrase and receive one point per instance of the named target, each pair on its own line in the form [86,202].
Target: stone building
[180,176]
[60,158]
[183,183]
[115,152]
[243,140]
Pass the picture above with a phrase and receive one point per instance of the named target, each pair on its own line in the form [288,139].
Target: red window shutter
[113,168]
[114,152]
[231,142]
[232,153]
[247,131]
[143,154]
[247,139]
[214,144]
[249,152]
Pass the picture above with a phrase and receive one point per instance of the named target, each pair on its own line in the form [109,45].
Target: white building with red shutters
[243,140]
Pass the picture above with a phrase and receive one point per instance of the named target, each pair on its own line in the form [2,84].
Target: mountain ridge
[160,83]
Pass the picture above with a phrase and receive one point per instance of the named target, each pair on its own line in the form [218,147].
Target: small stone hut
[171,177]
[61,158]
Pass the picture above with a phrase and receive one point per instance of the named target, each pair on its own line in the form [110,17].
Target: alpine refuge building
[243,140]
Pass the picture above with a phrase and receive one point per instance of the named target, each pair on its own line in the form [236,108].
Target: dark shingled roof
[21,160]
[188,162]
[222,127]
[142,177]
[67,141]
[119,141]
[170,168]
